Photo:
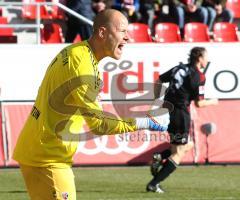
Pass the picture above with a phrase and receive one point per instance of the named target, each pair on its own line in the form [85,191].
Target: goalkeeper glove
[159,123]
[157,118]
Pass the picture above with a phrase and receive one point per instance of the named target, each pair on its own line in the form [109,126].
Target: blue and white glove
[157,123]
[153,126]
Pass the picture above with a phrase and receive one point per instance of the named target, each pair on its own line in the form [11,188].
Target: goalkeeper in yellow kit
[66,99]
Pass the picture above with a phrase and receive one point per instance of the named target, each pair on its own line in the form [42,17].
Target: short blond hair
[105,18]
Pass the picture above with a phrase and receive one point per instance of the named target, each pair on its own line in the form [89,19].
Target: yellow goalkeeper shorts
[49,183]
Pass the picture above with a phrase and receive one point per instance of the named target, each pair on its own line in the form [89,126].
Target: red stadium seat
[225,32]
[30,11]
[167,32]
[196,32]
[51,33]
[234,5]
[5,31]
[6,34]
[139,33]
[3,20]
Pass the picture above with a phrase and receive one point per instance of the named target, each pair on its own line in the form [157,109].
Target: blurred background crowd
[172,15]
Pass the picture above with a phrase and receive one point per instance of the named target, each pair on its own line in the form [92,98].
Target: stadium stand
[225,32]
[30,11]
[51,33]
[196,32]
[139,32]
[22,17]
[46,12]
[6,34]
[167,32]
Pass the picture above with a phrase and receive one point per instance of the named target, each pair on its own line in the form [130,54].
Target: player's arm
[206,102]
[103,123]
[166,77]
[158,85]
[198,92]
[200,101]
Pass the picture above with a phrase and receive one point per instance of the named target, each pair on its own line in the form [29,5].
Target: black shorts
[179,126]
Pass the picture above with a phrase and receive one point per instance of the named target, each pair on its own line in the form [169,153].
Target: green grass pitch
[128,183]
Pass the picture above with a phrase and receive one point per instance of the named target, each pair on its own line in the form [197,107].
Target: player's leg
[157,160]
[168,167]
[64,183]
[180,143]
[49,183]
[158,157]
[34,181]
[171,164]
[179,151]
[179,127]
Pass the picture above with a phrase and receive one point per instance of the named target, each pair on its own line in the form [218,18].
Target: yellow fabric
[66,99]
[49,183]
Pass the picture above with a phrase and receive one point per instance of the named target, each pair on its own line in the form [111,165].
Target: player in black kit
[186,83]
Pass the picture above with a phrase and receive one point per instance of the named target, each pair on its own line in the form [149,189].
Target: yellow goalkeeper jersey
[67,98]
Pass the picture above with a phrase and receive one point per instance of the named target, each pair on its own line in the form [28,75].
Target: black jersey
[186,83]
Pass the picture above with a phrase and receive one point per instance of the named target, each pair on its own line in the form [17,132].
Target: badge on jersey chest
[65,195]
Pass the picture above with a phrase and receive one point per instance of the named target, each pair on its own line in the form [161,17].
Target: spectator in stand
[170,11]
[147,10]
[184,11]
[100,5]
[76,26]
[130,8]
[194,11]
[217,11]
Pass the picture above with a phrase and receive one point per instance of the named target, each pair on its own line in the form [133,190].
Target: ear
[102,32]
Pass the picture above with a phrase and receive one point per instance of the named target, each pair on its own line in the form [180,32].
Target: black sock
[168,167]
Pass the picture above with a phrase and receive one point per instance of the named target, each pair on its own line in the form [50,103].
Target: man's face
[116,37]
